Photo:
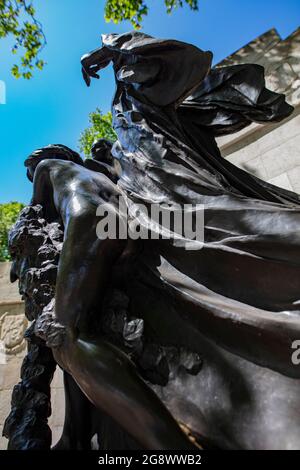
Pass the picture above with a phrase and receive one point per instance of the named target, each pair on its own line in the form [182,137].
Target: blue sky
[53,107]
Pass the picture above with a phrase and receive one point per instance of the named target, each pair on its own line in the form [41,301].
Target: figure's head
[55,152]
[101,151]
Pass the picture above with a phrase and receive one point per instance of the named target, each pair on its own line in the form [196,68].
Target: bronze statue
[176,347]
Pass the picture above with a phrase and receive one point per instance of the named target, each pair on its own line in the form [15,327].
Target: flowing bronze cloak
[239,292]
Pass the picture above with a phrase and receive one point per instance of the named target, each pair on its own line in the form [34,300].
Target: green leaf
[135,10]
[17,19]
[15,71]
[8,215]
[100,128]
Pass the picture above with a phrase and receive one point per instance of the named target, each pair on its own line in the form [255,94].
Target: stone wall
[271,151]
[12,344]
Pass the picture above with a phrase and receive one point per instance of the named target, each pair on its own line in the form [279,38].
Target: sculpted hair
[53,151]
[101,151]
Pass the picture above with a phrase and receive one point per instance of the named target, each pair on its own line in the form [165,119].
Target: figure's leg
[77,432]
[111,382]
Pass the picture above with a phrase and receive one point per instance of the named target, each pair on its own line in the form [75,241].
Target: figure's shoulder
[49,164]
[66,175]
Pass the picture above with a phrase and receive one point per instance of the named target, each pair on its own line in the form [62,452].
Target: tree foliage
[135,10]
[100,128]
[17,19]
[8,215]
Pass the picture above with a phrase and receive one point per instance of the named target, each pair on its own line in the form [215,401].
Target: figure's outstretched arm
[93,62]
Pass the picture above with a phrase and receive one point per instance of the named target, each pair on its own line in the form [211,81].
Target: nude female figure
[104,374]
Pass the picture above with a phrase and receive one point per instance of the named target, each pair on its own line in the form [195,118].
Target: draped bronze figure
[164,346]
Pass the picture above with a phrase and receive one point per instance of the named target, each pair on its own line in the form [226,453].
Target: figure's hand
[93,62]
[88,72]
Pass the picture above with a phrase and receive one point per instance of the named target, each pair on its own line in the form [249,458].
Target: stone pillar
[12,344]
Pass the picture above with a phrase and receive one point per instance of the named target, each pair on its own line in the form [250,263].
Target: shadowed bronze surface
[154,333]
